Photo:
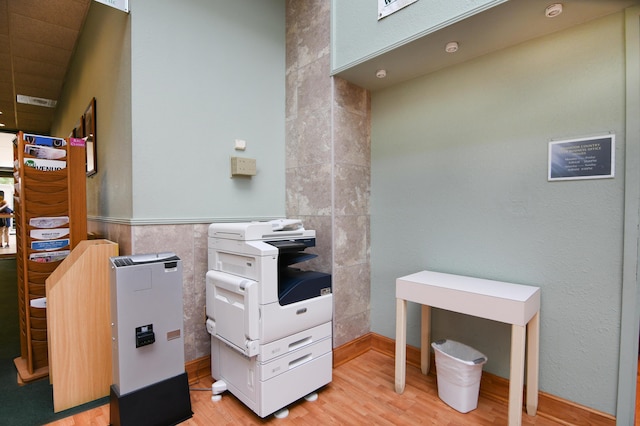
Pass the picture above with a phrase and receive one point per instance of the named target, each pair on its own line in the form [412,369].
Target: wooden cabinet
[45,194]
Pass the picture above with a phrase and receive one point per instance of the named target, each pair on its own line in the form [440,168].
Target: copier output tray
[296,285]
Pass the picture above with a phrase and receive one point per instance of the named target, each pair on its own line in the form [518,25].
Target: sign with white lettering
[122,5]
[387,7]
[587,158]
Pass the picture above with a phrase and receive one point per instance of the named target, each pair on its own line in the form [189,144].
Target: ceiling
[508,24]
[37,41]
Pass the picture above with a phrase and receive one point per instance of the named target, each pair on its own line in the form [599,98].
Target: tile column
[328,164]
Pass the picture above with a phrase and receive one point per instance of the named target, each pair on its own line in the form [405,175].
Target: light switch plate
[240,145]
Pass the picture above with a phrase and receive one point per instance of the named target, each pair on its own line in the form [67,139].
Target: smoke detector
[451,47]
[381,73]
[553,10]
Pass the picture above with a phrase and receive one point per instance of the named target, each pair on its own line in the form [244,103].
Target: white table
[515,304]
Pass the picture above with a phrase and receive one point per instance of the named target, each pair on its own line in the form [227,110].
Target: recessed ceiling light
[553,10]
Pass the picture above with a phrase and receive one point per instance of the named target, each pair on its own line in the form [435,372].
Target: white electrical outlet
[241,166]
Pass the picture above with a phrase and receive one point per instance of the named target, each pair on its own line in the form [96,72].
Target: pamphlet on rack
[49,256]
[44,140]
[40,303]
[48,245]
[48,222]
[44,152]
[49,234]
[45,165]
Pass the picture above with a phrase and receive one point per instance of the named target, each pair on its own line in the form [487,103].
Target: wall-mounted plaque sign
[387,7]
[122,5]
[585,158]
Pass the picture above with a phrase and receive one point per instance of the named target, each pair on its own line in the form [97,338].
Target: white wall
[6,149]
[6,160]
[459,185]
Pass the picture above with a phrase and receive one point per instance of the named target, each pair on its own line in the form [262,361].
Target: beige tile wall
[189,243]
[328,163]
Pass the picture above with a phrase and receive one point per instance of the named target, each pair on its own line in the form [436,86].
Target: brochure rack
[50,211]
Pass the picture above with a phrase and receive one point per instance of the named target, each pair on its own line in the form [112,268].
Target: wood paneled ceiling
[37,41]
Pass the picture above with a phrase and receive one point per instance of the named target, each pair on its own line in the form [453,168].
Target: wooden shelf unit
[37,194]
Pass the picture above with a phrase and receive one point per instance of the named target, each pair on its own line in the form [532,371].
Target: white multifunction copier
[270,323]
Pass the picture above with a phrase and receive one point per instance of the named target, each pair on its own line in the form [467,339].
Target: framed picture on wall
[77,131]
[89,126]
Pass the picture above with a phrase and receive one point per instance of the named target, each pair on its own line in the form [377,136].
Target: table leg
[425,339]
[401,344]
[533,361]
[516,377]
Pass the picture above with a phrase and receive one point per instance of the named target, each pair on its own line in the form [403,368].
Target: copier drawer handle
[300,343]
[300,361]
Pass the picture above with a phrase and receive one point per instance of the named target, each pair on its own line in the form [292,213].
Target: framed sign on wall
[583,158]
[387,7]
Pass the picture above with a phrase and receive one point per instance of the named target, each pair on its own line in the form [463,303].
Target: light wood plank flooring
[362,392]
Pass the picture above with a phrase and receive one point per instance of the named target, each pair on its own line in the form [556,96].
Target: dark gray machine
[150,385]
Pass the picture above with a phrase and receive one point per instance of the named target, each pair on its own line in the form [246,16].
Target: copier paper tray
[296,285]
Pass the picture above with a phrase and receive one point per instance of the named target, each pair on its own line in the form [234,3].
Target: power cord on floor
[198,369]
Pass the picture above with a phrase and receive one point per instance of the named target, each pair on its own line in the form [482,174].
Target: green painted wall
[176,83]
[101,68]
[459,185]
[358,35]
[205,73]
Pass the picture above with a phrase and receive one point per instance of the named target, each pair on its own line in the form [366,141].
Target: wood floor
[362,392]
